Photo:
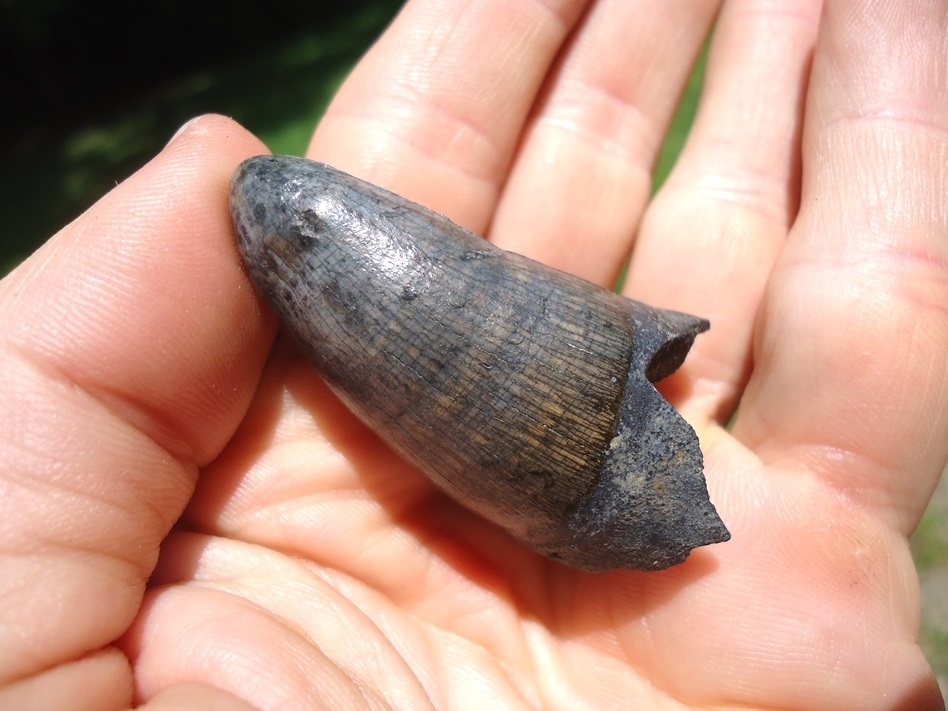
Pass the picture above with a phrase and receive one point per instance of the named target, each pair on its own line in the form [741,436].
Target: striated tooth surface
[523,392]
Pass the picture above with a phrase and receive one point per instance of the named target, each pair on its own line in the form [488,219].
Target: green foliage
[56,166]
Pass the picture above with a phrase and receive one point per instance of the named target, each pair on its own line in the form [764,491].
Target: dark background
[69,56]
[91,90]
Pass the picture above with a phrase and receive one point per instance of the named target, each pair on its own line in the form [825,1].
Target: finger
[298,638]
[851,377]
[130,344]
[434,110]
[713,231]
[583,173]
[102,675]
[192,695]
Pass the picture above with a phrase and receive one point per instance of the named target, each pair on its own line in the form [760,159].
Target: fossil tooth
[523,392]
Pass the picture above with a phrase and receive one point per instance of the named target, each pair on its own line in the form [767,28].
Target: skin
[189,519]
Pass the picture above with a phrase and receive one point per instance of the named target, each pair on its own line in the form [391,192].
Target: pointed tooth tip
[281,187]
[704,529]
[703,525]
[252,167]
[672,347]
[272,168]
[680,323]
[709,528]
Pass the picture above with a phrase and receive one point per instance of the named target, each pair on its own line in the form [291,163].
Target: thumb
[131,345]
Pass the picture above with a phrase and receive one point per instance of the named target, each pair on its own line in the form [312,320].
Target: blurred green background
[87,106]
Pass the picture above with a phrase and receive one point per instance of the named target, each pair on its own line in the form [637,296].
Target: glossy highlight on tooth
[523,392]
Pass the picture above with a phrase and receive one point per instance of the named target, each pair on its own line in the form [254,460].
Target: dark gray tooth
[523,392]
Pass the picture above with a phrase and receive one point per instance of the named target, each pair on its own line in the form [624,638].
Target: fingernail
[185,127]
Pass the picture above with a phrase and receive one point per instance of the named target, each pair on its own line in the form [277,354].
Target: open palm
[311,568]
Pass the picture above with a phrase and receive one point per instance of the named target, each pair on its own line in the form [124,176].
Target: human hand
[312,568]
